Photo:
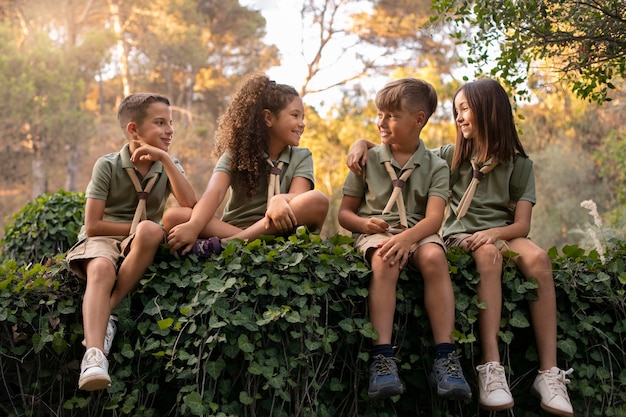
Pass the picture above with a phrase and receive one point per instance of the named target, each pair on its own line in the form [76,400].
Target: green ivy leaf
[518,319]
[165,323]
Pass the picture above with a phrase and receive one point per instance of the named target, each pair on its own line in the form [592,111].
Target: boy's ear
[131,128]
[269,117]
[420,118]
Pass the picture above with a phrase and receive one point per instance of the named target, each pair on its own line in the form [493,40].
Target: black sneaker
[447,377]
[384,380]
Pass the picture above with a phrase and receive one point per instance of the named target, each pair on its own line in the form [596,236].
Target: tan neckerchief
[396,194]
[477,176]
[142,195]
[273,187]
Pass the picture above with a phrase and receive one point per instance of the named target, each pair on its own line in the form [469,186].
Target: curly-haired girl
[270,178]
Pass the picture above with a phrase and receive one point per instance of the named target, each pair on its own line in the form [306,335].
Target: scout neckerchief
[478,174]
[396,194]
[142,195]
[274,180]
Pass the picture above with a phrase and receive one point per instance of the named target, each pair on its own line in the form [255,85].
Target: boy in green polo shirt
[115,247]
[394,228]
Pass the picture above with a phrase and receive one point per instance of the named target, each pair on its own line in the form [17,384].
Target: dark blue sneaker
[384,380]
[447,377]
[204,248]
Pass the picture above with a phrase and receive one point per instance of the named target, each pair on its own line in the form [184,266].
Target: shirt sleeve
[100,182]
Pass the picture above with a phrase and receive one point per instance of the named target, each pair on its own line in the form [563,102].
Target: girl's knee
[319,200]
[175,216]
[488,254]
[311,208]
[535,259]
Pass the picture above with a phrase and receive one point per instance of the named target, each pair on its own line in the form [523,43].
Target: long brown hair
[242,130]
[495,135]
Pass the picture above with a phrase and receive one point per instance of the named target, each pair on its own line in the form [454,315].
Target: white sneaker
[551,387]
[94,371]
[109,335]
[493,388]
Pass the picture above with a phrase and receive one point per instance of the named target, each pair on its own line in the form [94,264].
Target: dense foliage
[279,328]
[581,41]
[45,227]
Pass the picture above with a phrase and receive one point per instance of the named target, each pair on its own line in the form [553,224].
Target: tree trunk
[73,155]
[122,47]
[38,170]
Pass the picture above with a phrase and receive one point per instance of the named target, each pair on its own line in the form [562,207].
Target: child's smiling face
[397,126]
[156,129]
[287,127]
[464,116]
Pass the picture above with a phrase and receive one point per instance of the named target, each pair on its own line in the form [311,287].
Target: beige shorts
[457,240]
[113,248]
[366,242]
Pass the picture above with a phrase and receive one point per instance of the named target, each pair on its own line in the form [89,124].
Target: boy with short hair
[115,246]
[401,173]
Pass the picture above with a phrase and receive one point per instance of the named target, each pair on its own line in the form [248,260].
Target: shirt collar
[156,167]
[416,158]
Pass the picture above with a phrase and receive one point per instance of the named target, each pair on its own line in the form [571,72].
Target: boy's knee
[100,270]
[430,256]
[149,232]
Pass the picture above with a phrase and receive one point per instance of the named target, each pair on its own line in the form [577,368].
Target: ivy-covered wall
[279,328]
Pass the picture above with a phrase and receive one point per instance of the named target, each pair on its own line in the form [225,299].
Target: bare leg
[533,261]
[431,261]
[178,215]
[382,297]
[489,266]
[310,209]
[147,239]
[96,308]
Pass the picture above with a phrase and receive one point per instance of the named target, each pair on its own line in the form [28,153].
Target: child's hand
[395,250]
[375,225]
[478,239]
[181,237]
[280,214]
[357,156]
[145,152]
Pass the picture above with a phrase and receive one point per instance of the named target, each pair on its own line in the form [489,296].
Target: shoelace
[454,368]
[495,378]
[95,358]
[383,365]
[557,382]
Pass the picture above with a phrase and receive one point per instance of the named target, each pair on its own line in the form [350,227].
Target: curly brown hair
[242,131]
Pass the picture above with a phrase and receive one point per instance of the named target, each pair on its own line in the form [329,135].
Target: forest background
[65,66]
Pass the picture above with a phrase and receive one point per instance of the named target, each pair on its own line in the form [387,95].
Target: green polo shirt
[110,182]
[242,211]
[429,178]
[489,207]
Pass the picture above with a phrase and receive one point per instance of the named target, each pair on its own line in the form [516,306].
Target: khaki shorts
[366,242]
[113,248]
[457,240]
